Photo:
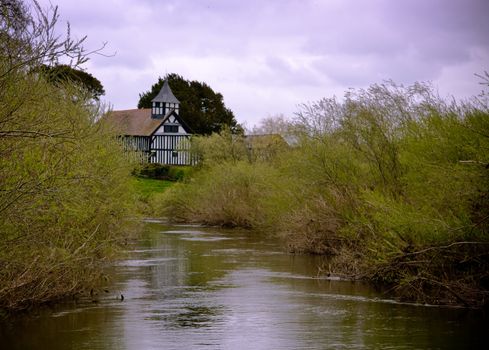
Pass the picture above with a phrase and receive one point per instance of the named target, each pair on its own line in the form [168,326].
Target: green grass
[146,187]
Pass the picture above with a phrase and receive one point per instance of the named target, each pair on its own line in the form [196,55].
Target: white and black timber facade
[159,132]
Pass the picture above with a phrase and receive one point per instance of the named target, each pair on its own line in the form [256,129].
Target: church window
[170,128]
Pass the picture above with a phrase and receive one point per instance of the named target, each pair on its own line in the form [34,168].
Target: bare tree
[29,37]
[277,124]
[484,77]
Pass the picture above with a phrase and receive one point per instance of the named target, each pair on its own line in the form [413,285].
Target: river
[190,287]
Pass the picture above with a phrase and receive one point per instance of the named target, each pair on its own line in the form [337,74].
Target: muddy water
[188,287]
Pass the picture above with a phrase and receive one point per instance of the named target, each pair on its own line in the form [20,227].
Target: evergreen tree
[201,108]
[64,73]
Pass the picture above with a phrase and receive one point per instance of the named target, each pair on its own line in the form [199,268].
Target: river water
[189,287]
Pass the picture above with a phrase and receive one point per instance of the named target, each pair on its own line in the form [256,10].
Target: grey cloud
[436,28]
[282,73]
[342,43]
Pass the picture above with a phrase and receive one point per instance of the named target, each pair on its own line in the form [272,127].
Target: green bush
[392,183]
[153,171]
[226,195]
[65,196]
[65,199]
[163,171]
[219,148]
[180,173]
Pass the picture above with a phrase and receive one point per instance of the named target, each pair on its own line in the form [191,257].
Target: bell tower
[164,103]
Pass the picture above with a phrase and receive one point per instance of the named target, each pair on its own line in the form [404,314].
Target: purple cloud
[266,57]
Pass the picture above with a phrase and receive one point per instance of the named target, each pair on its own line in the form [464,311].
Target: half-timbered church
[158,132]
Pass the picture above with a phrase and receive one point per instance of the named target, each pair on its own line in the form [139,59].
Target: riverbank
[391,184]
[149,183]
[64,213]
[67,267]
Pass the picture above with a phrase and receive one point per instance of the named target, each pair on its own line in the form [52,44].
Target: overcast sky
[266,57]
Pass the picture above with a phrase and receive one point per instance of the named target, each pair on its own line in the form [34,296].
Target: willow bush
[65,198]
[403,193]
[392,183]
[228,194]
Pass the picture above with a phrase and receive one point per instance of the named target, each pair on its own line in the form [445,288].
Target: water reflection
[192,287]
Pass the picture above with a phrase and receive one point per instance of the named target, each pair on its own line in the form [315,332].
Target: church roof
[138,122]
[133,122]
[165,94]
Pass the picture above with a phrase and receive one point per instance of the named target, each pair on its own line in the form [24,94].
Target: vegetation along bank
[66,201]
[392,183]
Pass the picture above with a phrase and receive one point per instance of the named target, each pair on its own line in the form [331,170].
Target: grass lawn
[146,187]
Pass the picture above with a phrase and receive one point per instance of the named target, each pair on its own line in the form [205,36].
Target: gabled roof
[133,122]
[180,120]
[138,122]
[165,94]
